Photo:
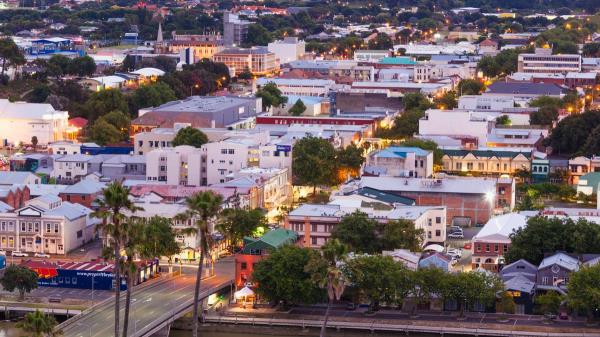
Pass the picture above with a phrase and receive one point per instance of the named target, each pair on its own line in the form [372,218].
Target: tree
[546,115]
[416,101]
[507,303]
[114,201]
[357,231]
[10,54]
[151,95]
[235,224]
[133,232]
[102,133]
[271,96]
[470,87]
[82,66]
[377,277]
[426,285]
[504,63]
[58,65]
[203,207]
[584,290]
[313,162]
[381,42]
[405,125]
[503,120]
[190,136]
[350,160]
[39,94]
[120,121]
[298,108]
[39,324]
[257,36]
[326,273]
[20,278]
[158,238]
[446,101]
[548,303]
[103,102]
[34,142]
[401,233]
[591,49]
[470,288]
[571,133]
[282,277]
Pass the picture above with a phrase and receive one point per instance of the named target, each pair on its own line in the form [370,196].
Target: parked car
[19,254]
[454,252]
[563,315]
[3,252]
[456,235]
[42,255]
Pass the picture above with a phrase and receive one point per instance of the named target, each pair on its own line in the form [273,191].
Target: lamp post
[195,86]
[87,326]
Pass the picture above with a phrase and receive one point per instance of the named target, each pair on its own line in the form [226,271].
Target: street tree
[548,303]
[39,324]
[376,277]
[470,87]
[271,96]
[313,163]
[426,285]
[584,290]
[112,206]
[235,223]
[468,288]
[102,133]
[402,234]
[282,277]
[357,231]
[19,278]
[190,136]
[326,273]
[507,303]
[103,102]
[298,108]
[350,160]
[203,208]
[34,142]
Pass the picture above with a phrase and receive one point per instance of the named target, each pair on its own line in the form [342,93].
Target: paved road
[147,305]
[481,318]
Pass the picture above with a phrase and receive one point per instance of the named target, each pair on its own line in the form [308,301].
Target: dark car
[563,315]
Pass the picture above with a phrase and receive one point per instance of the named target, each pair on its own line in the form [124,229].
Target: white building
[485,102]
[46,225]
[180,165]
[70,168]
[542,61]
[64,147]
[400,162]
[20,122]
[298,87]
[371,56]
[455,123]
[287,50]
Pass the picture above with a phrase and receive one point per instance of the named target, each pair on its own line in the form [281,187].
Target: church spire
[159,35]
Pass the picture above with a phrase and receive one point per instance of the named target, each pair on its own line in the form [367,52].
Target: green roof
[485,153]
[271,240]
[384,196]
[403,60]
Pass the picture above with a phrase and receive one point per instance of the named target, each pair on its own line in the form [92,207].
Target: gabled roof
[520,283]
[85,186]
[272,240]
[486,153]
[525,88]
[501,226]
[384,196]
[561,259]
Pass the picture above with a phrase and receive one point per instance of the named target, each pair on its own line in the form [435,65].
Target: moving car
[42,255]
[19,254]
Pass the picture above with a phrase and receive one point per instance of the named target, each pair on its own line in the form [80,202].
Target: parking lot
[464,264]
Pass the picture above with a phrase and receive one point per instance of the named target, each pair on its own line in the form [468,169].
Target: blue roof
[398,60]
[400,152]
[305,99]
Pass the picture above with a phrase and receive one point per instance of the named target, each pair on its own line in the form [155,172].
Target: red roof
[488,43]
[78,122]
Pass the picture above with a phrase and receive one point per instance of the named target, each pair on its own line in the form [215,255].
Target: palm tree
[133,234]
[202,208]
[39,325]
[327,274]
[112,203]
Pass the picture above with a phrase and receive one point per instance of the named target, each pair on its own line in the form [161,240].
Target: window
[11,242]
[68,197]
[231,151]
[438,232]
[469,166]
[244,266]
[505,248]
[23,226]
[313,240]
[429,234]
[79,234]
[74,280]
[438,219]
[429,222]
[314,228]
[496,247]
[459,166]
[223,151]
[487,247]
[55,228]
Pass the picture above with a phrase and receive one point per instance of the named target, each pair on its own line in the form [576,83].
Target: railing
[376,326]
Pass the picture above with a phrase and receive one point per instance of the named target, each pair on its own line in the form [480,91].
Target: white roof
[148,72]
[561,259]
[295,81]
[23,110]
[589,76]
[501,227]
[109,80]
[462,185]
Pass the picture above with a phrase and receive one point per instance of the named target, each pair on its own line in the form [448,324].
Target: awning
[244,292]
[434,247]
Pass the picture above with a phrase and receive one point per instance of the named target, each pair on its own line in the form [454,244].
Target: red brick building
[491,243]
[84,192]
[14,196]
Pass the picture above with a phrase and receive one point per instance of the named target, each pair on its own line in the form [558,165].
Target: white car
[455,252]
[456,235]
[42,255]
[3,252]
[19,254]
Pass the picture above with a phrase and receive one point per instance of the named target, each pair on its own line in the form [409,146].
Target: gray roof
[520,283]
[5,207]
[561,259]
[69,211]
[525,88]
[85,186]
[12,177]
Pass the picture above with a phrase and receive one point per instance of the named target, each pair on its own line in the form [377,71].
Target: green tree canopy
[190,136]
[350,159]
[257,36]
[151,95]
[38,324]
[504,63]
[282,277]
[545,115]
[158,238]
[271,96]
[103,102]
[357,231]
[298,108]
[447,101]
[236,223]
[401,233]
[19,278]
[470,87]
[571,133]
[504,120]
[102,133]
[584,290]
[10,54]
[470,288]
[313,162]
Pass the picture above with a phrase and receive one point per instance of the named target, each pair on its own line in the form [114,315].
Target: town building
[554,271]
[436,260]
[490,161]
[202,45]
[84,193]
[519,280]
[287,50]
[370,56]
[46,225]
[234,29]
[542,61]
[259,61]
[20,122]
[409,259]
[492,242]
[298,87]
[399,161]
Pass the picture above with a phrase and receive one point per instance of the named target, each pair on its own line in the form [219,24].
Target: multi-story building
[20,122]
[314,223]
[542,61]
[554,271]
[460,123]
[287,50]
[234,29]
[467,199]
[257,60]
[298,87]
[71,168]
[489,161]
[398,161]
[492,242]
[180,165]
[46,225]
[370,56]
[203,46]
[198,112]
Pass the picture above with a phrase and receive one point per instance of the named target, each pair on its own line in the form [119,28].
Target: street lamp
[196,86]
[87,326]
